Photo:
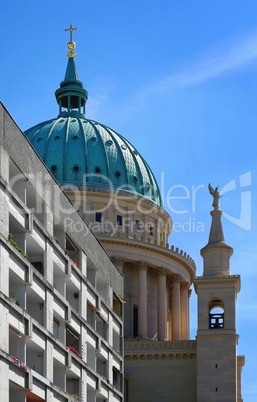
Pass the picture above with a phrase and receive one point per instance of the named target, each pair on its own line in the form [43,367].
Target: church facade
[141,297]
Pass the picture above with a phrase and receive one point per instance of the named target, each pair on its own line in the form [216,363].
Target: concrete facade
[61,336]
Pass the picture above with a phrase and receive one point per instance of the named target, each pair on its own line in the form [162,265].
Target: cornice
[159,350]
[177,255]
[145,344]
[156,356]
[218,279]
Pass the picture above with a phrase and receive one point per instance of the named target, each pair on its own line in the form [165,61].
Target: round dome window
[76,168]
[54,168]
[97,169]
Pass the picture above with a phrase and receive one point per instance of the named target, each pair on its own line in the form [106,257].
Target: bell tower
[217,371]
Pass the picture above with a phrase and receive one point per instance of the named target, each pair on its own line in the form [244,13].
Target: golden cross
[71,29]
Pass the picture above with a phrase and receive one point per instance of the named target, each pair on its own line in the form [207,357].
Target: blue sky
[178,79]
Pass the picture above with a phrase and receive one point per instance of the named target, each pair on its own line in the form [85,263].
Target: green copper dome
[86,154]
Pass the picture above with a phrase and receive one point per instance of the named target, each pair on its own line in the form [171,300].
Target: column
[175,287]
[162,305]
[184,310]
[142,299]
[188,326]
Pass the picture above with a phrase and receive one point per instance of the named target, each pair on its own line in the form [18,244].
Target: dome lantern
[71,96]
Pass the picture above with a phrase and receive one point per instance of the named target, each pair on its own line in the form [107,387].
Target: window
[39,266]
[56,327]
[137,224]
[119,220]
[90,314]
[135,321]
[216,315]
[117,304]
[98,169]
[73,340]
[151,230]
[98,216]
[116,375]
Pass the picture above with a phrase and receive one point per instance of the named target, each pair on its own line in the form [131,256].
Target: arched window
[216,315]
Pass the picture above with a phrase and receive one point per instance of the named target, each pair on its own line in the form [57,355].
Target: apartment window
[116,378]
[39,266]
[119,220]
[73,340]
[56,327]
[117,305]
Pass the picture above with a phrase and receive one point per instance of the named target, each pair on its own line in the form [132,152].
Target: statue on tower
[216,196]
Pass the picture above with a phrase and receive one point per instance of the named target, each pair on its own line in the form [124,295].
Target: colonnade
[172,303]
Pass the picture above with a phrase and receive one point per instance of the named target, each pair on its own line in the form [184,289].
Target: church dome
[86,154]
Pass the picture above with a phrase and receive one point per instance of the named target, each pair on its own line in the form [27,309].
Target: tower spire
[71,96]
[216,254]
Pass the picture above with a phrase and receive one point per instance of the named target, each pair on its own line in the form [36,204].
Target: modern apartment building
[61,297]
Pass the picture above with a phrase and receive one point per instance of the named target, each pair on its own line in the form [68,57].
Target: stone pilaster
[142,299]
[175,306]
[162,304]
[184,301]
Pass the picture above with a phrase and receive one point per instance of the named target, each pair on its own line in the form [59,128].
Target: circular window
[117,174]
[135,179]
[39,139]
[109,143]
[54,168]
[97,169]
[93,139]
[123,146]
[75,137]
[57,137]
[75,168]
